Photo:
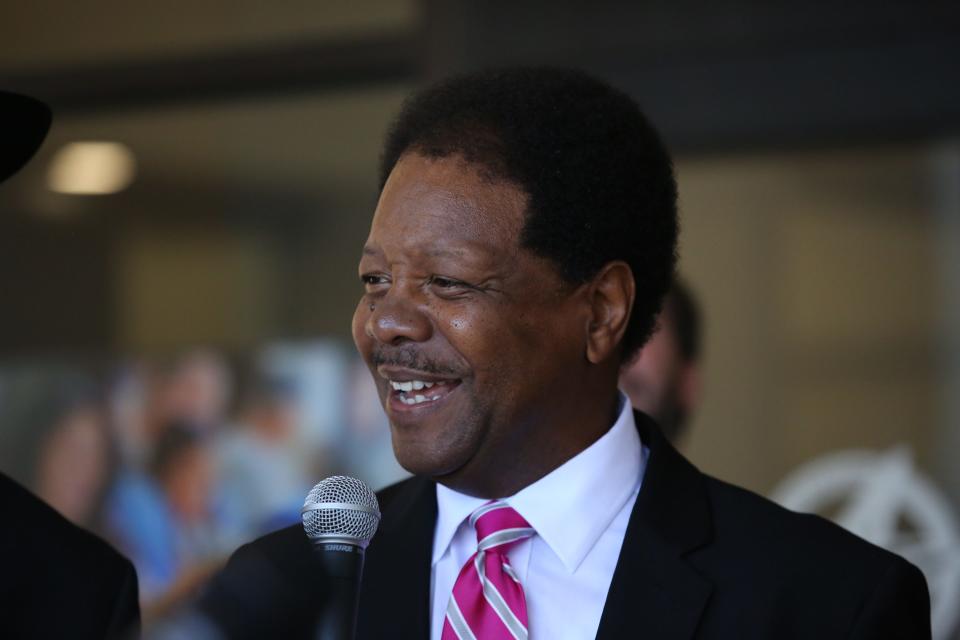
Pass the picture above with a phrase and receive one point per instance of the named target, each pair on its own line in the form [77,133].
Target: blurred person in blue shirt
[165,520]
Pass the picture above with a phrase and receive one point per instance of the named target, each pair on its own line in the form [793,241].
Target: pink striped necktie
[487,601]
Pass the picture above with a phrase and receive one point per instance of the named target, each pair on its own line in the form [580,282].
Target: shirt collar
[594,485]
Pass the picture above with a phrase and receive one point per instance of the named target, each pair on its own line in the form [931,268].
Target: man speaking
[524,238]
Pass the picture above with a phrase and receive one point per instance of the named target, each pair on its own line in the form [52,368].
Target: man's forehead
[464,250]
[373,249]
[443,207]
[452,182]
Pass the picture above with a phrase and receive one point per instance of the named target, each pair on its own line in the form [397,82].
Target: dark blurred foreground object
[58,580]
[24,123]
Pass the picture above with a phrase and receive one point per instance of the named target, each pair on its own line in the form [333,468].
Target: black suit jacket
[58,580]
[701,559]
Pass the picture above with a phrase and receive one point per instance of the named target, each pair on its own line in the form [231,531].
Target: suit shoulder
[771,566]
[270,587]
[56,564]
[277,545]
[35,525]
[797,541]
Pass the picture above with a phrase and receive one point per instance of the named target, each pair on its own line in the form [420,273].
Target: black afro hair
[600,181]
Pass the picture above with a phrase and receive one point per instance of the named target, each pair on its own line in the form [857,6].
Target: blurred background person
[262,480]
[168,525]
[160,506]
[184,467]
[131,401]
[62,446]
[75,463]
[665,379]
[195,390]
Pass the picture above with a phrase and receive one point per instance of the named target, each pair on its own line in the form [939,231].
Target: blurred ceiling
[47,34]
[738,75]
[306,146]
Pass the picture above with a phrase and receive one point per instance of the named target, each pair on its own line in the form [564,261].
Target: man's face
[473,341]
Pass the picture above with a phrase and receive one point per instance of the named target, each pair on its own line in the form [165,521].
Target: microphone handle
[344,566]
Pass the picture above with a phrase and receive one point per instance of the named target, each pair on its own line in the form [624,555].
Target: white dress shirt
[580,512]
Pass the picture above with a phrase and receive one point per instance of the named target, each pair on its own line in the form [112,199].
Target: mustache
[410,357]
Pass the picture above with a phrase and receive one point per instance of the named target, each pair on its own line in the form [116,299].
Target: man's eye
[445,283]
[373,279]
[450,284]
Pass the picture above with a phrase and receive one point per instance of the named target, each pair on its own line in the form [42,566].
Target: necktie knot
[499,527]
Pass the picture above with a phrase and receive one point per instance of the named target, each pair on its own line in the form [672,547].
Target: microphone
[340,516]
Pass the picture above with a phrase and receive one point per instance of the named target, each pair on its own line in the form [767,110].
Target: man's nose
[398,317]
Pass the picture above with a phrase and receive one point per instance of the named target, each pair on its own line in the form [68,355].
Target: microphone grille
[341,509]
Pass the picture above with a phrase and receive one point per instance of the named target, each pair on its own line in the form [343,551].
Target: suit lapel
[655,593]
[395,592]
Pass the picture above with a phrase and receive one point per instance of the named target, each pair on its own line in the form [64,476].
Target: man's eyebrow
[370,251]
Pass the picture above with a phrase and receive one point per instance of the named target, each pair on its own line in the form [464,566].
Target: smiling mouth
[413,393]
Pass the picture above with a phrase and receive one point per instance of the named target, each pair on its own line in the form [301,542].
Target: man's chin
[438,466]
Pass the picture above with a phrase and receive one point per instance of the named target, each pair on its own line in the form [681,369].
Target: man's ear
[610,294]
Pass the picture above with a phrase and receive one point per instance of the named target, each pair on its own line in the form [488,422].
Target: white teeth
[413,385]
[416,399]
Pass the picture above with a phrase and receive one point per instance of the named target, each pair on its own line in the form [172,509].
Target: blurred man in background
[664,380]
[58,580]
